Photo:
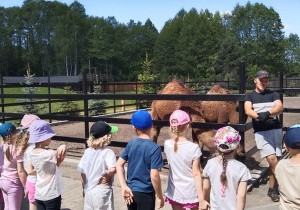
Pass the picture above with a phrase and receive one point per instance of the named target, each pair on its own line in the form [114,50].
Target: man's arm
[249,111]
[156,182]
[278,108]
[126,191]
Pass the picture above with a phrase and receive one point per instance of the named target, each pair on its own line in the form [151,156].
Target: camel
[219,112]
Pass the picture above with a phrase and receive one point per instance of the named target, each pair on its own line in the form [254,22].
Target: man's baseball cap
[261,74]
[141,120]
[292,137]
[101,128]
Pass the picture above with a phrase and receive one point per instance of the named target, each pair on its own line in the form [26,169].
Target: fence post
[281,96]
[2,97]
[242,90]
[155,90]
[114,90]
[85,103]
[136,92]
[49,98]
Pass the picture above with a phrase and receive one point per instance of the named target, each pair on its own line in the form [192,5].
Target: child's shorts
[99,197]
[30,188]
[184,206]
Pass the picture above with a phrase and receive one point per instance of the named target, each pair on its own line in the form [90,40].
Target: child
[185,182]
[13,176]
[144,162]
[97,167]
[287,171]
[225,183]
[49,185]
[26,121]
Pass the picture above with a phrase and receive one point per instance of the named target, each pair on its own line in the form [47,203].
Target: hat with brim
[39,131]
[27,120]
[101,128]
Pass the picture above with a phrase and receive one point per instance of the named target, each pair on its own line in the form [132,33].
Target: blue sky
[160,11]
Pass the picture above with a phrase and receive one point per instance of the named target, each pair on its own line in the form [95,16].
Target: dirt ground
[125,133]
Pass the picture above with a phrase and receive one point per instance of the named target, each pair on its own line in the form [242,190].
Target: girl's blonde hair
[19,139]
[177,131]
[99,143]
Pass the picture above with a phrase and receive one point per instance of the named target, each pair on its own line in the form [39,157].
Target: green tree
[258,30]
[292,55]
[97,104]
[29,108]
[146,77]
[69,106]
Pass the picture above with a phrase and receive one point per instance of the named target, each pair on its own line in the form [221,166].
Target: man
[263,106]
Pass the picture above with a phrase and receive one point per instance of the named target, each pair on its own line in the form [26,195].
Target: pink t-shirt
[9,169]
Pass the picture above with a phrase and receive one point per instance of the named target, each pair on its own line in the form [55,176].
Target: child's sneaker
[273,195]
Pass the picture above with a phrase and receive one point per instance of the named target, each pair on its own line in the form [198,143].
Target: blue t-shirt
[142,156]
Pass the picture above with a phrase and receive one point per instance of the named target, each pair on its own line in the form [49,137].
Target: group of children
[26,164]
[27,167]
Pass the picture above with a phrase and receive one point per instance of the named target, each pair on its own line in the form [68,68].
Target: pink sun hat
[179,117]
[40,130]
[27,120]
[228,137]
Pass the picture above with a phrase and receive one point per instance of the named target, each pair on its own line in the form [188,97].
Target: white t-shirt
[49,183]
[181,185]
[30,178]
[289,184]
[94,164]
[236,172]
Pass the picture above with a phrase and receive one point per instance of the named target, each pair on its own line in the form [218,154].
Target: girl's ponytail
[223,176]
[174,130]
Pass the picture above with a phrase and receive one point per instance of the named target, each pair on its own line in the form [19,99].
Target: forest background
[60,39]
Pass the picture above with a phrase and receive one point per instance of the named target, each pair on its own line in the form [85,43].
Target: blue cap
[141,120]
[292,137]
[6,129]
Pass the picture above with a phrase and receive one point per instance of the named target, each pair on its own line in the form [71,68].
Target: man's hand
[263,116]
[127,195]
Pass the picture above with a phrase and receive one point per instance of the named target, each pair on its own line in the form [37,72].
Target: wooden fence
[84,96]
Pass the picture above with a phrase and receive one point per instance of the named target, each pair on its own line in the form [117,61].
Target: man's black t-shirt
[266,97]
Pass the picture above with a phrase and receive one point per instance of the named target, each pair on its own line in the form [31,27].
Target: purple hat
[27,120]
[228,137]
[141,120]
[39,131]
[292,137]
[6,129]
[179,117]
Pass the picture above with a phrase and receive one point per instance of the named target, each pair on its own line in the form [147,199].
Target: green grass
[55,107]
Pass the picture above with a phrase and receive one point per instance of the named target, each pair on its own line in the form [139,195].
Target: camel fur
[205,111]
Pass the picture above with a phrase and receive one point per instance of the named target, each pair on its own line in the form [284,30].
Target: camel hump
[219,88]
[176,87]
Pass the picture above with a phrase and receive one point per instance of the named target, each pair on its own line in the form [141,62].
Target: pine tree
[29,108]
[146,77]
[69,105]
[100,104]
